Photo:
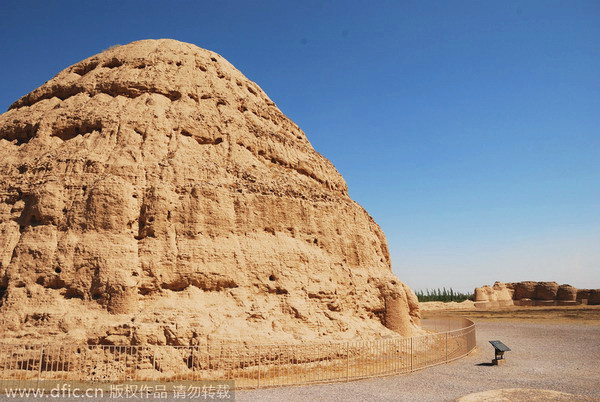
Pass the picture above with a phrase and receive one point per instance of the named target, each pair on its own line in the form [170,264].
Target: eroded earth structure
[152,194]
[531,293]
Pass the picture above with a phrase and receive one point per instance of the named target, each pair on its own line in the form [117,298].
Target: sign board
[500,346]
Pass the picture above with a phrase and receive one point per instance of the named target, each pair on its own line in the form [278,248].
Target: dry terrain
[552,349]
[577,315]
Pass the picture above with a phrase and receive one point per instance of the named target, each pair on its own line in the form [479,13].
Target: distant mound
[152,194]
[535,293]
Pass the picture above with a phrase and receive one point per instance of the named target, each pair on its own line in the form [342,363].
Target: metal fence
[248,365]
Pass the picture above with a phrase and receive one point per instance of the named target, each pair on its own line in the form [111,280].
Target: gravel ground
[559,357]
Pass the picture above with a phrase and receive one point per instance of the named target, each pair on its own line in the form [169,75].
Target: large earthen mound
[152,194]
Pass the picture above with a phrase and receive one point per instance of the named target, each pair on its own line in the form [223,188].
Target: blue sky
[470,130]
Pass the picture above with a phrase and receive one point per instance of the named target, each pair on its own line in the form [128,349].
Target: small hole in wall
[96,296]
[57,270]
[272,277]
[73,294]
[33,221]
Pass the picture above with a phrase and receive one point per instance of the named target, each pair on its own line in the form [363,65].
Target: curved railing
[239,365]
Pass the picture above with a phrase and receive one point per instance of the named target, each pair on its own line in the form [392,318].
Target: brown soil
[521,395]
[582,315]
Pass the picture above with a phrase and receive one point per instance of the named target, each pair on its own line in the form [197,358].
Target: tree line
[442,295]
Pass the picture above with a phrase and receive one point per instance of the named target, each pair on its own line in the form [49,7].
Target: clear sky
[470,130]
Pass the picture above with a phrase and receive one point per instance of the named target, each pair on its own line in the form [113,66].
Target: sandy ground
[551,349]
[521,395]
[434,306]
[576,315]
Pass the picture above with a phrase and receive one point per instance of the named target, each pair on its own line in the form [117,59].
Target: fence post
[446,347]
[411,353]
[40,366]
[208,359]
[258,384]
[347,361]
[192,362]
[154,358]
[127,362]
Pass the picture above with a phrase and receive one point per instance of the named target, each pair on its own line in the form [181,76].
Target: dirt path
[560,356]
